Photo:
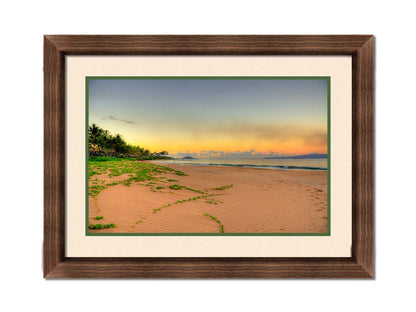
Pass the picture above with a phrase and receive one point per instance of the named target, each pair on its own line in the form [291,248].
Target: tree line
[102,143]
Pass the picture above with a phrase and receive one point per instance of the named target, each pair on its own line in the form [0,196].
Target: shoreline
[267,167]
[211,199]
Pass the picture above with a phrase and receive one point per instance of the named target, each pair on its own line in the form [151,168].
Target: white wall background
[22,25]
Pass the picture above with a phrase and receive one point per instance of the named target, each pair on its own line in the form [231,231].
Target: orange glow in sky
[269,116]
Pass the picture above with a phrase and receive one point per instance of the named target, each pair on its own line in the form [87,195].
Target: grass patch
[194,190]
[212,201]
[100,226]
[180,173]
[216,220]
[186,200]
[176,187]
[137,171]
[222,188]
[103,158]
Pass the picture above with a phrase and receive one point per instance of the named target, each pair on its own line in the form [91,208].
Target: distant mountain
[187,157]
[307,156]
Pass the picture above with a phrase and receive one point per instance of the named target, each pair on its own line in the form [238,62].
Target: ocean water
[253,162]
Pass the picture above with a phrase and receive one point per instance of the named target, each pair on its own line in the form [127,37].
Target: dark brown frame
[359,265]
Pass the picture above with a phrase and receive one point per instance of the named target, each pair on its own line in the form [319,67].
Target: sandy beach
[211,199]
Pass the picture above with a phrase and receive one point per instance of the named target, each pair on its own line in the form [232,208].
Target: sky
[214,117]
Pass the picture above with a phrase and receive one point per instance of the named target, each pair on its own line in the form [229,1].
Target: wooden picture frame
[359,265]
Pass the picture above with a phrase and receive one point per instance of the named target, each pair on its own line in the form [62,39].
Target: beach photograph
[207,156]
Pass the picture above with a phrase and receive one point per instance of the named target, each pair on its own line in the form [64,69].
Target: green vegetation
[216,220]
[176,187]
[213,201]
[101,226]
[113,162]
[221,188]
[102,158]
[102,143]
[188,200]
[180,187]
[194,190]
[129,171]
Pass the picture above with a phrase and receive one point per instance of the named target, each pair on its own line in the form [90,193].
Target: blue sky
[228,115]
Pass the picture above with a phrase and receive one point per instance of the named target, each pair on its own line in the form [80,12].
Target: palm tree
[118,144]
[94,134]
[146,153]
[102,141]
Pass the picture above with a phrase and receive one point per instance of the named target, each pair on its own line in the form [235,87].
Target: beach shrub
[103,158]
[194,190]
[216,220]
[212,201]
[221,188]
[98,217]
[176,187]
[100,226]
[96,226]
[135,170]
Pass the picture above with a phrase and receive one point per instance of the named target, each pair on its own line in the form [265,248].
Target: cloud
[180,154]
[277,133]
[117,119]
[235,154]
[243,131]
[251,152]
